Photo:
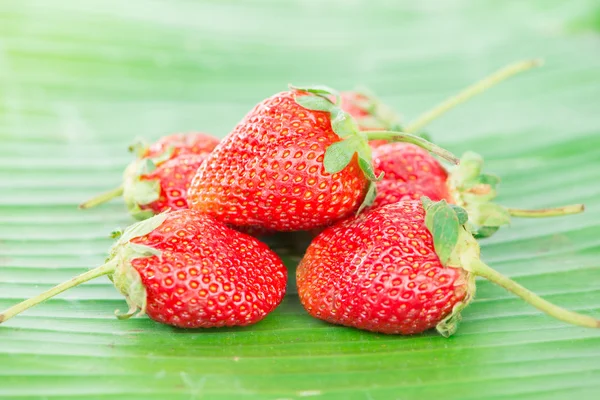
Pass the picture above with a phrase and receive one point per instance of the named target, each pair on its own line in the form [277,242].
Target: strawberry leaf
[142,228]
[342,123]
[490,214]
[443,223]
[338,156]
[367,168]
[485,231]
[461,214]
[488,179]
[369,197]
[145,192]
[316,89]
[316,103]
[138,147]
[164,156]
[146,166]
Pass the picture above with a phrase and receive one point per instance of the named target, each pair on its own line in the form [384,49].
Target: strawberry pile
[394,231]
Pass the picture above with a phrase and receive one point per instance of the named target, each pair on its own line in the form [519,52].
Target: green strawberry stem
[105,269]
[481,269]
[547,212]
[409,138]
[102,198]
[469,92]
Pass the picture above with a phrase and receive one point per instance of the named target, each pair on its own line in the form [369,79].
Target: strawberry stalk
[479,268]
[547,212]
[475,191]
[117,267]
[102,198]
[406,137]
[106,269]
[469,92]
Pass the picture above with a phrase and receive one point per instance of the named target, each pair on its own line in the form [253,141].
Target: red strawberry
[186,270]
[285,166]
[402,268]
[148,186]
[410,173]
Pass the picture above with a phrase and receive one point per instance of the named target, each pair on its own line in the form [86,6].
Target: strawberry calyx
[139,147]
[474,191]
[117,267]
[456,247]
[132,189]
[137,191]
[125,278]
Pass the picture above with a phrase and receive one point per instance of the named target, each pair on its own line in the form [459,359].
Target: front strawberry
[379,272]
[402,268]
[295,162]
[186,270]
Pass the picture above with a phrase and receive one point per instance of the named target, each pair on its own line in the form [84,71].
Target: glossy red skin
[182,143]
[392,191]
[209,275]
[175,177]
[268,172]
[407,162]
[409,173]
[379,272]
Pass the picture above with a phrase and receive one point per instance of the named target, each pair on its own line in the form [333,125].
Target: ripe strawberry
[402,269]
[148,187]
[186,270]
[410,173]
[295,162]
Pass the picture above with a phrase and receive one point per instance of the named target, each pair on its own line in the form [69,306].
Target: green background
[79,80]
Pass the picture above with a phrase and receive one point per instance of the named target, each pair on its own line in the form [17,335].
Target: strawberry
[295,162]
[186,270]
[410,173]
[148,186]
[402,269]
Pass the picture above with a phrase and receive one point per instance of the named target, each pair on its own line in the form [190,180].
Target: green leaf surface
[80,79]
[339,154]
[443,222]
[315,103]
